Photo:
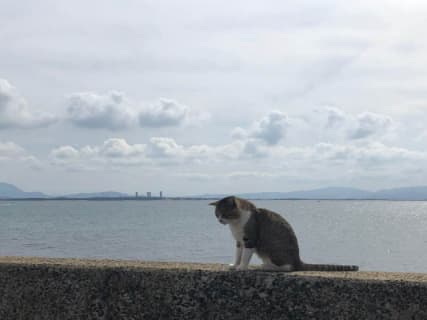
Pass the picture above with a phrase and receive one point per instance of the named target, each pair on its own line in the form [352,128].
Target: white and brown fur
[267,234]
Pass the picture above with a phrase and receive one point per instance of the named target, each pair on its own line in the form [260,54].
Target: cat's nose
[221,221]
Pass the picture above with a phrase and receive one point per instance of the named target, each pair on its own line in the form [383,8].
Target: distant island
[418,193]
[9,191]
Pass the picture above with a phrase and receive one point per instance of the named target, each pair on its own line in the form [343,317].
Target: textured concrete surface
[37,288]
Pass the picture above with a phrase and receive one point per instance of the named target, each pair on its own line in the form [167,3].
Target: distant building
[148,194]
[161,194]
[136,194]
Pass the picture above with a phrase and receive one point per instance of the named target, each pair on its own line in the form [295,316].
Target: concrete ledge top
[152,265]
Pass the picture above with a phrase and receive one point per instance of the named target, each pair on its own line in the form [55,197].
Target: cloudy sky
[194,97]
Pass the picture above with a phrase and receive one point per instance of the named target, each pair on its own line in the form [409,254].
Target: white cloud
[239,133]
[369,124]
[167,150]
[335,124]
[65,153]
[293,56]
[12,153]
[113,152]
[254,149]
[113,111]
[119,148]
[32,162]
[371,155]
[157,152]
[165,112]
[270,130]
[91,110]
[14,111]
[161,147]
[10,150]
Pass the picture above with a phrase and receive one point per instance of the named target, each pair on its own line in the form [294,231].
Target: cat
[267,234]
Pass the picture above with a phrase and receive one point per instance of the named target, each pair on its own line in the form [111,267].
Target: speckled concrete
[37,288]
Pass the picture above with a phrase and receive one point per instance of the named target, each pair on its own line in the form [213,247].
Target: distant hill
[335,193]
[408,193]
[10,191]
[105,194]
[323,193]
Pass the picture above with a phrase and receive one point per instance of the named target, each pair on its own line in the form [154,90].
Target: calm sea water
[376,235]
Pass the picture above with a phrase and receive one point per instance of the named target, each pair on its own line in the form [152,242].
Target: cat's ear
[213,203]
[233,202]
[236,202]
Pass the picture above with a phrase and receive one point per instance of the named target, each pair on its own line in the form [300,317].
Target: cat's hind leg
[267,265]
[273,267]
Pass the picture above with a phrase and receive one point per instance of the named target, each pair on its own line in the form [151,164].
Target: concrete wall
[32,288]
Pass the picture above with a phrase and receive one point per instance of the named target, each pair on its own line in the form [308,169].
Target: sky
[195,97]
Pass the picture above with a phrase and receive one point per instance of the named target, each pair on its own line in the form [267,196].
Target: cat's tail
[327,267]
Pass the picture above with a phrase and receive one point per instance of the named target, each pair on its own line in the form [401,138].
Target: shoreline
[207,199]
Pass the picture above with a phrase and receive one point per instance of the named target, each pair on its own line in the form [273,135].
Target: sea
[375,235]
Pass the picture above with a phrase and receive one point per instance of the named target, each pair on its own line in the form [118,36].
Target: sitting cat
[267,234]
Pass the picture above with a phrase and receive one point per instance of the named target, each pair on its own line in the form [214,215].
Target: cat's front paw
[232,266]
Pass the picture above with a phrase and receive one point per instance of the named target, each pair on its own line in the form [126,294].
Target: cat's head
[229,209]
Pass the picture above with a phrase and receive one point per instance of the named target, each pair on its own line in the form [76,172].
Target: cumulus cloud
[15,113]
[65,153]
[239,133]
[324,161]
[164,113]
[119,148]
[157,151]
[371,155]
[91,110]
[114,111]
[113,151]
[369,124]
[32,162]
[10,150]
[254,149]
[162,147]
[269,130]
[340,124]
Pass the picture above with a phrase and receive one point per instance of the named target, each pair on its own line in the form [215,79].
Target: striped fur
[266,233]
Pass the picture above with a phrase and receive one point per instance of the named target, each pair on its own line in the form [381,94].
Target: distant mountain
[10,191]
[408,193]
[323,193]
[336,193]
[105,194]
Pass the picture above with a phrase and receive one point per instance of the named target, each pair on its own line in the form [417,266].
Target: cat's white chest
[237,231]
[237,228]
